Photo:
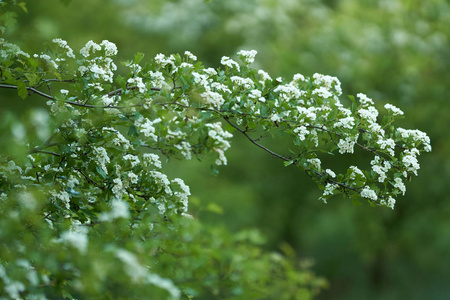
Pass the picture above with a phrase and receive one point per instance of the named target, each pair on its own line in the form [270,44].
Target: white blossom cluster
[328,191]
[395,110]
[63,44]
[99,65]
[101,158]
[219,136]
[228,62]
[151,159]
[328,86]
[368,193]
[380,167]
[147,127]
[119,209]
[347,145]
[139,273]
[248,57]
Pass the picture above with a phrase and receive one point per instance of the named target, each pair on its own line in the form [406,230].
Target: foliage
[83,183]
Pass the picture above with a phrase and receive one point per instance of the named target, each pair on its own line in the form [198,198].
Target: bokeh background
[395,51]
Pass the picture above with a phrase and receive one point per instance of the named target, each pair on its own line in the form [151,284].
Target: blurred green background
[395,51]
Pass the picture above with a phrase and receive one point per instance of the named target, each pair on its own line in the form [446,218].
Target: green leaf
[288,163]
[22,89]
[214,208]
[100,172]
[138,57]
[132,131]
[32,79]
[23,6]
[214,171]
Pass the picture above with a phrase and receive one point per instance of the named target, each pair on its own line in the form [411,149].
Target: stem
[255,142]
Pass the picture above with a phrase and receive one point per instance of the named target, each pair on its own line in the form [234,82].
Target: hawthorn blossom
[368,193]
[248,56]
[226,61]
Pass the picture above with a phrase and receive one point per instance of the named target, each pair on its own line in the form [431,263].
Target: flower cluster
[100,67]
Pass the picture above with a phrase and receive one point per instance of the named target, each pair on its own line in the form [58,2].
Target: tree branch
[31,89]
[255,142]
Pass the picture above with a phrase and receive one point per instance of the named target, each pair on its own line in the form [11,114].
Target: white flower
[220,87]
[85,51]
[135,68]
[328,82]
[63,44]
[107,100]
[48,59]
[185,148]
[330,172]
[161,180]
[288,92]
[147,128]
[364,100]
[210,71]
[348,122]
[400,185]
[183,195]
[219,136]
[264,77]
[133,268]
[110,48]
[369,194]
[64,92]
[306,114]
[301,132]
[213,99]
[329,190]
[298,77]
[133,159]
[190,55]
[410,160]
[162,208]
[137,82]
[322,92]
[157,79]
[118,189]
[417,137]
[356,172]
[315,163]
[62,196]
[381,168]
[391,202]
[77,239]
[255,94]
[395,111]
[152,159]
[246,83]
[347,145]
[248,56]
[370,114]
[119,209]
[133,177]
[226,61]
[162,61]
[388,144]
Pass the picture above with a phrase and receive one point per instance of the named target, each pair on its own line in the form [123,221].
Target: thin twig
[119,91]
[43,151]
[255,142]
[90,180]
